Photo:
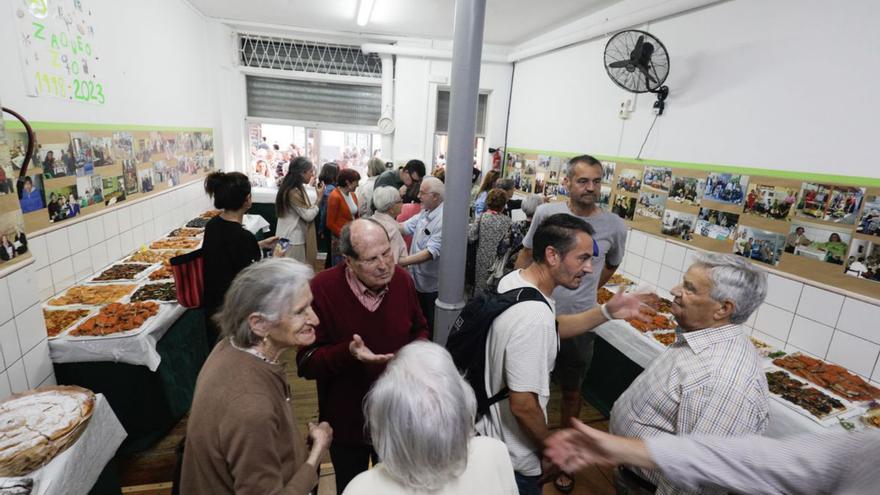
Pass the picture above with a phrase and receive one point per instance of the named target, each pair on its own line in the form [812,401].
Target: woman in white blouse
[297,212]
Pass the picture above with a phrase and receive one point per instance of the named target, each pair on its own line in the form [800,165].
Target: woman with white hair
[364,192]
[387,202]
[242,436]
[420,414]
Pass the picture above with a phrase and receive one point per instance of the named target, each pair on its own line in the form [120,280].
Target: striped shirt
[809,464]
[707,382]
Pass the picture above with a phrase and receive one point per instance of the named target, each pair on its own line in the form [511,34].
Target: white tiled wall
[794,316]
[69,255]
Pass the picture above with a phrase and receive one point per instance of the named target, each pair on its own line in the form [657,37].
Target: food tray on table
[117,320]
[91,295]
[155,256]
[59,321]
[603,295]
[198,222]
[163,292]
[123,272]
[618,280]
[664,338]
[806,399]
[832,377]
[186,232]
[764,349]
[187,243]
[161,273]
[872,417]
[658,322]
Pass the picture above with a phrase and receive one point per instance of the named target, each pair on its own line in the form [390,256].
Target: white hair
[267,287]
[385,197]
[435,184]
[737,280]
[531,204]
[420,415]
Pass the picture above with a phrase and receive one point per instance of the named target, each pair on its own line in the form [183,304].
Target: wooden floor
[151,472]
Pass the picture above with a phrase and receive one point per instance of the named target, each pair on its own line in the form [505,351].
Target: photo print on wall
[714,224]
[869,224]
[759,245]
[629,180]
[624,207]
[145,179]
[55,159]
[63,203]
[687,190]
[863,260]
[122,147]
[608,172]
[651,204]
[13,240]
[81,153]
[114,190]
[726,188]
[129,173]
[678,224]
[659,178]
[839,204]
[818,242]
[32,196]
[770,201]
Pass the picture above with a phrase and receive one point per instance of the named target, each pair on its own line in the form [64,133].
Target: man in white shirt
[523,341]
[426,230]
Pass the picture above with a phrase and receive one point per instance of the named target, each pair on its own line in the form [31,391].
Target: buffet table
[640,351]
[76,470]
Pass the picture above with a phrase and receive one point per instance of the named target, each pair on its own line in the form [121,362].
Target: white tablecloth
[254,223]
[139,349]
[76,470]
[626,339]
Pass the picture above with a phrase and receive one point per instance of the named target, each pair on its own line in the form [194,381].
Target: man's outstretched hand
[363,353]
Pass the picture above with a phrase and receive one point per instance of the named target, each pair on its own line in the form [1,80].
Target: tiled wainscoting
[69,255]
[794,317]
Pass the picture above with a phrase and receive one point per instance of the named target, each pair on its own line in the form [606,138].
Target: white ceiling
[508,22]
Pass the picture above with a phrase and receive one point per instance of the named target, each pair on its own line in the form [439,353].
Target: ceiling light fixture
[364,11]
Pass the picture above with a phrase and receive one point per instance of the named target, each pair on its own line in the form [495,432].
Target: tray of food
[801,397]
[59,320]
[603,295]
[117,320]
[210,214]
[872,417]
[618,279]
[39,424]
[832,377]
[186,232]
[122,272]
[176,243]
[161,273]
[658,322]
[762,347]
[665,338]
[162,292]
[92,295]
[154,256]
[198,222]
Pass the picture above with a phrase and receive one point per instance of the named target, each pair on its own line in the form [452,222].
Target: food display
[161,273]
[122,271]
[603,295]
[210,214]
[150,256]
[872,417]
[37,425]
[165,291]
[665,338]
[618,279]
[658,322]
[117,317]
[762,347]
[60,320]
[813,400]
[175,243]
[198,223]
[92,295]
[830,376]
[186,232]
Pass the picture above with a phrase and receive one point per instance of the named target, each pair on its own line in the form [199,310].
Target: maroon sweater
[343,381]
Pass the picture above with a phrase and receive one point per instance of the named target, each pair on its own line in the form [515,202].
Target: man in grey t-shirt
[583,178]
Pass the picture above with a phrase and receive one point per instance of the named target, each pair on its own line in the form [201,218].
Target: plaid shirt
[708,382]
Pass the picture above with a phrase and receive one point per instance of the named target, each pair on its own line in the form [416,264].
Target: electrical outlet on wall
[627,106]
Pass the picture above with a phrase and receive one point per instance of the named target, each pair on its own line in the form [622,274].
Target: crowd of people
[395,414]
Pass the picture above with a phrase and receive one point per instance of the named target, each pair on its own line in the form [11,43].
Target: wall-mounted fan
[638,62]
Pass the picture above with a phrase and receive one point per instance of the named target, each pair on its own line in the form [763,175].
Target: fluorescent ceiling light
[364,11]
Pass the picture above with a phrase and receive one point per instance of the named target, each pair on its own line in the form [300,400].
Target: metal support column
[466,56]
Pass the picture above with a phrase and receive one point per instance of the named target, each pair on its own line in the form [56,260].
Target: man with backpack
[522,340]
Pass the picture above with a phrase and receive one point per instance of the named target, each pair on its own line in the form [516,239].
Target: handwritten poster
[58,50]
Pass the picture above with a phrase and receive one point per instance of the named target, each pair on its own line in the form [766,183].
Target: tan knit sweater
[241,435]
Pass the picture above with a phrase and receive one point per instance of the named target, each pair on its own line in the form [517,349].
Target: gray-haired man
[710,381]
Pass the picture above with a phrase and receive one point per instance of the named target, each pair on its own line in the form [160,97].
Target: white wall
[786,85]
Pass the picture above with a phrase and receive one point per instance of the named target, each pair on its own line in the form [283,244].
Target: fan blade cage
[625,61]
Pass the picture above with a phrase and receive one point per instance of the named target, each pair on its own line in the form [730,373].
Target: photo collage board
[13,239]
[78,172]
[818,230]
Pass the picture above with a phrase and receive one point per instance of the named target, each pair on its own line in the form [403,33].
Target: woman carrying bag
[297,213]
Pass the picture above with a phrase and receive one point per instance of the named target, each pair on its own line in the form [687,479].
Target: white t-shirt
[520,354]
[488,472]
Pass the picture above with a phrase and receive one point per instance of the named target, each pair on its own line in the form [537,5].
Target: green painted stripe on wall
[15,125]
[706,167]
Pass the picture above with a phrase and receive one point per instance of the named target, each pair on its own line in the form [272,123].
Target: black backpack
[468,336]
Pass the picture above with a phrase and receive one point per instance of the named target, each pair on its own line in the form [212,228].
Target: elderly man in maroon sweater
[364,305]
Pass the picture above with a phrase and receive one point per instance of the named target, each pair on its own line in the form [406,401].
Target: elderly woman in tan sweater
[241,435]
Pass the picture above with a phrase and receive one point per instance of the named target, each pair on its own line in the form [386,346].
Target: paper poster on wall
[839,204]
[869,224]
[818,242]
[687,190]
[59,54]
[863,260]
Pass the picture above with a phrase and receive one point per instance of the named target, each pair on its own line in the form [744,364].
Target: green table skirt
[610,374]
